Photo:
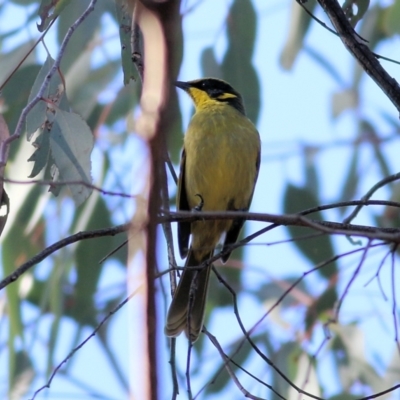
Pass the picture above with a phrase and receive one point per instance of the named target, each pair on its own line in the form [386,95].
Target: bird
[218,171]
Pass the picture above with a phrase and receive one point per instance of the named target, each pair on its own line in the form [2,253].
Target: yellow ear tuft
[225,96]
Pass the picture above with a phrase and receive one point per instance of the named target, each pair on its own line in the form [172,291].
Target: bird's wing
[233,233]
[182,205]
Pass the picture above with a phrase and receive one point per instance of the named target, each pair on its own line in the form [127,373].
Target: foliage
[314,323]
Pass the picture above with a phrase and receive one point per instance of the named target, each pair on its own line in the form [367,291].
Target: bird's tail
[186,312]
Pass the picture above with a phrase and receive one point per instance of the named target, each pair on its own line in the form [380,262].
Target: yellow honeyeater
[219,168]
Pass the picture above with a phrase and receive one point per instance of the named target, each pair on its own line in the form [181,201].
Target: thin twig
[68,183]
[75,349]
[254,346]
[394,300]
[59,245]
[227,366]
[350,282]
[370,192]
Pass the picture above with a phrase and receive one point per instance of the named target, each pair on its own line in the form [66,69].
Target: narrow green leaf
[88,255]
[209,64]
[15,96]
[87,89]
[237,67]
[50,10]
[10,60]
[321,309]
[352,178]
[83,34]
[286,359]
[315,249]
[23,375]
[124,103]
[298,28]
[355,10]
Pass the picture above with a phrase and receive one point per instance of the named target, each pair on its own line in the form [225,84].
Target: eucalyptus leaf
[71,144]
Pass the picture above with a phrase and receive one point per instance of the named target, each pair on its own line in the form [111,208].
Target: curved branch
[58,245]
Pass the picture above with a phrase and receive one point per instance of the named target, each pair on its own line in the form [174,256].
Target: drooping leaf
[316,248]
[15,96]
[87,87]
[286,359]
[88,255]
[344,100]
[237,66]
[321,309]
[50,10]
[37,115]
[209,64]
[352,178]
[125,100]
[71,144]
[22,375]
[9,61]
[83,33]
[29,244]
[273,290]
[391,19]
[354,10]
[298,28]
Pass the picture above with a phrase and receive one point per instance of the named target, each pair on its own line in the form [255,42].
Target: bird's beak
[183,85]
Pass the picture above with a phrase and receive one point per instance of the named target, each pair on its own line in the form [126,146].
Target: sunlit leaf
[344,100]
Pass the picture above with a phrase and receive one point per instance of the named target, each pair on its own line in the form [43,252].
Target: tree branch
[361,51]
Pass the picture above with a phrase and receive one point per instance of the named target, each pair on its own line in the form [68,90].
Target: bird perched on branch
[219,168]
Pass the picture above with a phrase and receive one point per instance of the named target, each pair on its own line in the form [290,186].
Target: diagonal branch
[361,51]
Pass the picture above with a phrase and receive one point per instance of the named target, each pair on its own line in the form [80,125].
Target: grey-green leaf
[37,116]
[71,144]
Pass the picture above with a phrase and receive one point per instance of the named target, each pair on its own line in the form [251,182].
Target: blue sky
[295,111]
